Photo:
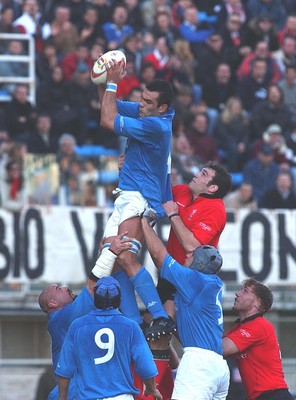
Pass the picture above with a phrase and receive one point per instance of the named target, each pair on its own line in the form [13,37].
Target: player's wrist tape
[104,264]
[111,87]
[173,215]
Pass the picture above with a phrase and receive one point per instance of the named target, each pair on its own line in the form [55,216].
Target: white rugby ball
[99,72]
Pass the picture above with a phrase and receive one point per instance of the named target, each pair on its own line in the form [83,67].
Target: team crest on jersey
[192,213]
[243,332]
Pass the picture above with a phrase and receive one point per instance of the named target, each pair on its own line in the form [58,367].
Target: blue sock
[128,304]
[144,286]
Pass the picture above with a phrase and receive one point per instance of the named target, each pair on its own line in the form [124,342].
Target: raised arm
[107,94]
[186,238]
[154,244]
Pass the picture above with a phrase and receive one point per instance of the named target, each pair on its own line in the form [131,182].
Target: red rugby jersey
[205,217]
[259,361]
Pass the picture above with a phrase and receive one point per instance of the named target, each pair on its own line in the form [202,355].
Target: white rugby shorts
[201,375]
[127,205]
[120,397]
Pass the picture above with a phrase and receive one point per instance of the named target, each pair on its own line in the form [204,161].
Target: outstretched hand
[150,215]
[120,243]
[115,71]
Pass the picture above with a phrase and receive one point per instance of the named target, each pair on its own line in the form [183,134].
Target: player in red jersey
[197,214]
[166,360]
[254,343]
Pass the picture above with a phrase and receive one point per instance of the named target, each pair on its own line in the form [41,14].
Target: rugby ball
[99,72]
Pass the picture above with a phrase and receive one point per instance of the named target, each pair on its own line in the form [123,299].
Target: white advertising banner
[60,244]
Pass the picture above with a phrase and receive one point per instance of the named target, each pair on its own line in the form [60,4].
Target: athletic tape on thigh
[136,248]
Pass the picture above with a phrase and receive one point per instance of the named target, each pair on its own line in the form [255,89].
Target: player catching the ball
[144,182]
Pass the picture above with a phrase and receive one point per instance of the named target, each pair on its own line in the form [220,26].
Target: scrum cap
[107,293]
[206,259]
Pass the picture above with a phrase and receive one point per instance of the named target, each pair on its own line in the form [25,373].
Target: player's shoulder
[180,189]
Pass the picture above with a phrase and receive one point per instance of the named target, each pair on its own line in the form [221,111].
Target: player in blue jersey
[203,374]
[144,181]
[58,303]
[100,349]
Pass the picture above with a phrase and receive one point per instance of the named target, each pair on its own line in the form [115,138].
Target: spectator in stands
[217,91]
[15,48]
[274,8]
[272,110]
[20,114]
[52,98]
[184,159]
[147,74]
[80,95]
[192,30]
[242,197]
[289,30]
[253,88]
[232,135]
[117,29]
[66,155]
[274,137]
[42,140]
[261,172]
[211,54]
[131,46]
[286,55]
[129,81]
[262,29]
[183,64]
[89,29]
[63,31]
[164,27]
[77,11]
[229,7]
[261,51]
[7,17]
[12,187]
[234,37]
[150,8]
[282,195]
[134,11]
[46,60]
[160,58]
[70,62]
[32,23]
[203,145]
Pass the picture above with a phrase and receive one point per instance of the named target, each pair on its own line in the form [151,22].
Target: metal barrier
[29,80]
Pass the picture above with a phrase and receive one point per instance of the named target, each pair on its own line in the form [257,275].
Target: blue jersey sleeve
[128,108]
[66,366]
[187,281]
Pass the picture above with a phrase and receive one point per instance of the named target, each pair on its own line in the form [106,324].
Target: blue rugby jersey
[147,163]
[198,304]
[58,324]
[101,347]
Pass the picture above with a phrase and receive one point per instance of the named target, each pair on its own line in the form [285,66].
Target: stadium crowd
[232,65]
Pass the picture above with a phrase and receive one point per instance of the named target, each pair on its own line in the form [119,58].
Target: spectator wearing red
[261,51]
[130,80]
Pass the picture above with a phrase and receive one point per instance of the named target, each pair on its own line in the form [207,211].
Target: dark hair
[8,167]
[262,292]
[222,179]
[165,90]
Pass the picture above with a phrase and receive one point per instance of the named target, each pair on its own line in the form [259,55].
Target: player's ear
[213,188]
[163,108]
[52,303]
